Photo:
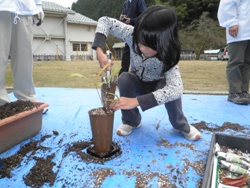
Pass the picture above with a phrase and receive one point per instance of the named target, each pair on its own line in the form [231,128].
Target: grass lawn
[204,76]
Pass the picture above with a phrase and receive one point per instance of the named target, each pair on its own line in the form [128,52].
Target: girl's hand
[101,57]
[124,103]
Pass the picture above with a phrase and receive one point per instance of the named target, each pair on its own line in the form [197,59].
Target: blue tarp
[153,156]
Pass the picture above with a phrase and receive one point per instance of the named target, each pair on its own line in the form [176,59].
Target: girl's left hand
[124,103]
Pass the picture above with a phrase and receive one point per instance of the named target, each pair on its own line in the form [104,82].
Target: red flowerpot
[20,127]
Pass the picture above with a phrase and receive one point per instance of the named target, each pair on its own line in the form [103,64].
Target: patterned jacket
[147,70]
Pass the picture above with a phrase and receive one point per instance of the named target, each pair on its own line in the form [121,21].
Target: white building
[118,49]
[64,35]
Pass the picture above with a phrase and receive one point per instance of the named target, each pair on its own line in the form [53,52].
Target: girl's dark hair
[157,29]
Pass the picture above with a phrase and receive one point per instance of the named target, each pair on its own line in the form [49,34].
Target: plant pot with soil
[19,120]
[101,121]
[102,118]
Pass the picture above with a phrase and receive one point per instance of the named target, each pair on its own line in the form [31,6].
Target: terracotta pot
[102,130]
[20,127]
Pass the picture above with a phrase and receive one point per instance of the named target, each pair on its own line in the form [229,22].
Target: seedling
[116,97]
[107,78]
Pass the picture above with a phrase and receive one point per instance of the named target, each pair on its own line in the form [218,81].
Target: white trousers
[16,37]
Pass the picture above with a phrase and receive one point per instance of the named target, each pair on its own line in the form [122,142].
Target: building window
[84,47]
[80,47]
[76,47]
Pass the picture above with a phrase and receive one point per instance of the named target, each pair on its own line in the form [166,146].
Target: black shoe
[247,95]
[238,98]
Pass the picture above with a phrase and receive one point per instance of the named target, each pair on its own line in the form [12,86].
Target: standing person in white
[16,38]
[234,15]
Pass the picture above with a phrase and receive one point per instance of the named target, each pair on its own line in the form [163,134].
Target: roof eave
[93,24]
[55,12]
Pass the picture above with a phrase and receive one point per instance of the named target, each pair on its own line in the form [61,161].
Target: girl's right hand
[101,57]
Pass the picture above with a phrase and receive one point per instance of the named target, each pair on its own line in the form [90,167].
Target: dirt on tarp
[42,172]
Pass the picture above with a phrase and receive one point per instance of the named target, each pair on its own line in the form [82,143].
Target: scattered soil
[42,172]
[78,148]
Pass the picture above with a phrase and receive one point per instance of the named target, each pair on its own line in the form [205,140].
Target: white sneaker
[125,129]
[193,135]
[45,110]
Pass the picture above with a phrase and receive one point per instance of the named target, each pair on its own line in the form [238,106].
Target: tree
[197,19]
[202,34]
[189,10]
[95,8]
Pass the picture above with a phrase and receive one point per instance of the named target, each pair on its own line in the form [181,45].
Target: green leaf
[76,75]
